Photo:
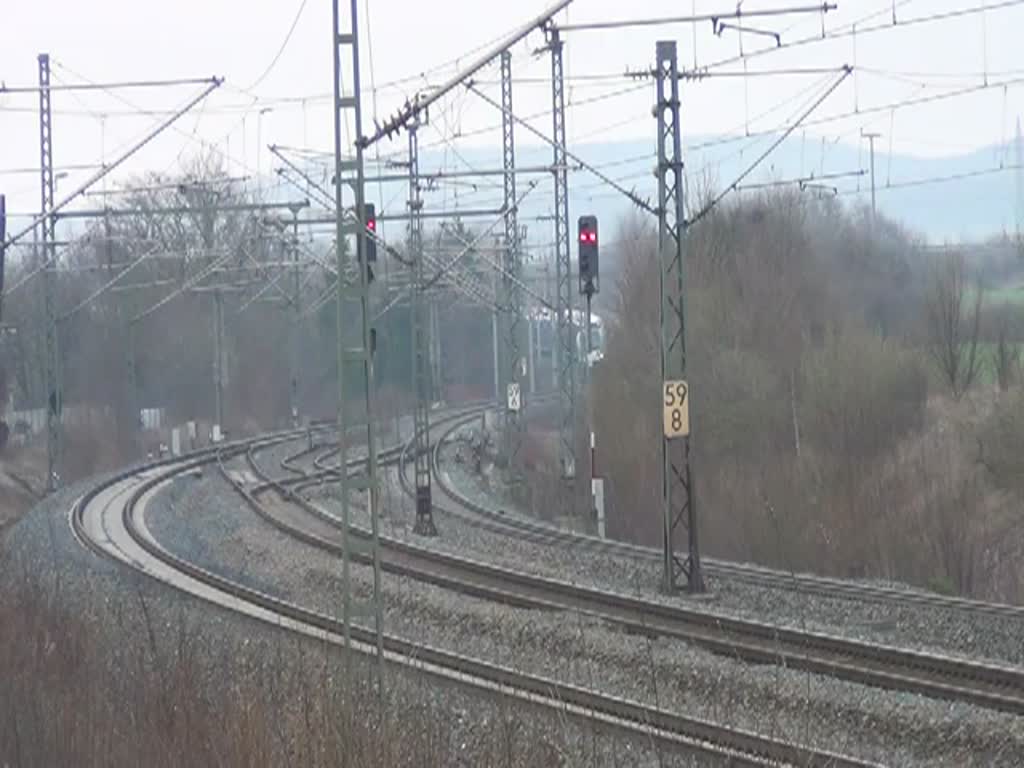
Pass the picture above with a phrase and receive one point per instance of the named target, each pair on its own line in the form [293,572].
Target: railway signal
[371,228]
[370,211]
[586,228]
[590,282]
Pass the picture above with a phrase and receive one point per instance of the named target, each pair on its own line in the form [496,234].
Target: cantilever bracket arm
[721,26]
[411,109]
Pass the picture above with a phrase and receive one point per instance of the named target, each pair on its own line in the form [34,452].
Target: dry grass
[925,513]
[120,685]
[22,480]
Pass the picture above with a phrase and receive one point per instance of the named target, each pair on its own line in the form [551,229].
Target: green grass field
[986,366]
[1010,293]
[986,354]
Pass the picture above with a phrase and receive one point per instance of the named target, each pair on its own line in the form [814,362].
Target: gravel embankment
[937,630]
[892,728]
[133,612]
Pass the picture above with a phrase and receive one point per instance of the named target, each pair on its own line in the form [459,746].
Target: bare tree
[953,332]
[1005,355]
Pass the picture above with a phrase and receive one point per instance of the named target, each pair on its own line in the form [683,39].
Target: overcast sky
[116,40]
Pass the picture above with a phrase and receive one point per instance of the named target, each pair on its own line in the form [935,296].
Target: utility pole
[3,258]
[590,330]
[678,499]
[1019,181]
[205,225]
[434,335]
[133,390]
[421,340]
[296,324]
[497,342]
[218,336]
[54,393]
[549,295]
[531,353]
[218,362]
[512,387]
[351,172]
[206,222]
[259,150]
[871,141]
[565,342]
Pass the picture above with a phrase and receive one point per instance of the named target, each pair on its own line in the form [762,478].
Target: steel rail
[501,521]
[824,586]
[938,676]
[666,729]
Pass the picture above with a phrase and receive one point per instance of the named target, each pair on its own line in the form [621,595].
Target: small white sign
[514,397]
[568,468]
[597,491]
[151,418]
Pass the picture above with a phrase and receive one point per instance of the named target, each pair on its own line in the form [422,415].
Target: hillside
[979,202]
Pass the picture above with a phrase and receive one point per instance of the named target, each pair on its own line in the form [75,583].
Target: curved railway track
[111,521]
[997,687]
[500,521]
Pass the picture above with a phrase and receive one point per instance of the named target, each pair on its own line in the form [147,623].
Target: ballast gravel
[888,727]
[937,630]
[136,616]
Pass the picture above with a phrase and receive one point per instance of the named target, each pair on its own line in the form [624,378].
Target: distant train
[543,330]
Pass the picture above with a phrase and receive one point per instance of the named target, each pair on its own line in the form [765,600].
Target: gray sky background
[414,44]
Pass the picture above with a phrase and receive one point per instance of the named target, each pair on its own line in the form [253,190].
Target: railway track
[996,687]
[499,521]
[111,521]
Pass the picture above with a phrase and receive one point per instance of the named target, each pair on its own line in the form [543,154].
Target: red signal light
[372,225]
[588,236]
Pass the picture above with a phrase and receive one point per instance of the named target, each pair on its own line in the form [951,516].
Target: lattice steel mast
[565,347]
[421,340]
[218,359]
[54,391]
[296,324]
[350,172]
[679,504]
[513,344]
[133,389]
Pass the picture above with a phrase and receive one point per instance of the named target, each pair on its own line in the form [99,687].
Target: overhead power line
[750,169]
[586,166]
[212,145]
[454,261]
[855,29]
[56,170]
[887,107]
[929,180]
[185,286]
[109,284]
[280,51]
[714,18]
[120,160]
[801,181]
[5,89]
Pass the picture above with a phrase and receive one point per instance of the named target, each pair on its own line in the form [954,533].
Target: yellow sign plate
[675,404]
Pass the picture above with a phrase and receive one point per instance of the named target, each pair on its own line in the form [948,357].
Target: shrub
[861,395]
[1001,442]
